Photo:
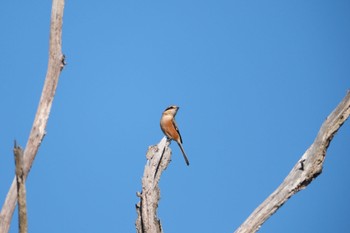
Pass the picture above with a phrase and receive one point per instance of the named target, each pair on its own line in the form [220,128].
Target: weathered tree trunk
[158,159]
[55,66]
[304,172]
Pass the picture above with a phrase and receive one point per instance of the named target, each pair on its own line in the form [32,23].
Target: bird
[170,129]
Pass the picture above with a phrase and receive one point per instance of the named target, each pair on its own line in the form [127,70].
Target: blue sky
[254,81]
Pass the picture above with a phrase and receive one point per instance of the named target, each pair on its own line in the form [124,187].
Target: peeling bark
[159,157]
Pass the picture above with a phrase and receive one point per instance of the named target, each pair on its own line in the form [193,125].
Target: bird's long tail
[184,154]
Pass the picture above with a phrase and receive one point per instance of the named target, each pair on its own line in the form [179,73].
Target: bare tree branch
[304,172]
[159,157]
[55,66]
[21,189]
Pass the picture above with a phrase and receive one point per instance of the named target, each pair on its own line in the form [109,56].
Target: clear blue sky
[254,81]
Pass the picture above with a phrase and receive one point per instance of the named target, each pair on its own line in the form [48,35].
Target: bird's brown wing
[177,129]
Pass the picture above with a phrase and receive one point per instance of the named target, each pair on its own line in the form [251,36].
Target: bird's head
[171,110]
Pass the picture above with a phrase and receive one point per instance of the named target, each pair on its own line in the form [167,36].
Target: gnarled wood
[158,160]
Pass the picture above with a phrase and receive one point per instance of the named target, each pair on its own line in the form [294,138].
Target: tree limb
[21,189]
[304,172]
[55,66]
[159,157]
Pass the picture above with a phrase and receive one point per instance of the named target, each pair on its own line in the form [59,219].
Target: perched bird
[170,129]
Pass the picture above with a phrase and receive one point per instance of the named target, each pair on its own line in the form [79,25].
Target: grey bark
[159,157]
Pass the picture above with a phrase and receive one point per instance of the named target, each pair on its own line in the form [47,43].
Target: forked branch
[55,66]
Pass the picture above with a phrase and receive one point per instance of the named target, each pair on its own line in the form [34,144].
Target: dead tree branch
[21,189]
[55,66]
[304,172]
[158,160]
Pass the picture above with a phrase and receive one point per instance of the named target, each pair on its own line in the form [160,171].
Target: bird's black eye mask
[171,107]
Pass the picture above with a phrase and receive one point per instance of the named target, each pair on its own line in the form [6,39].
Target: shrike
[170,129]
